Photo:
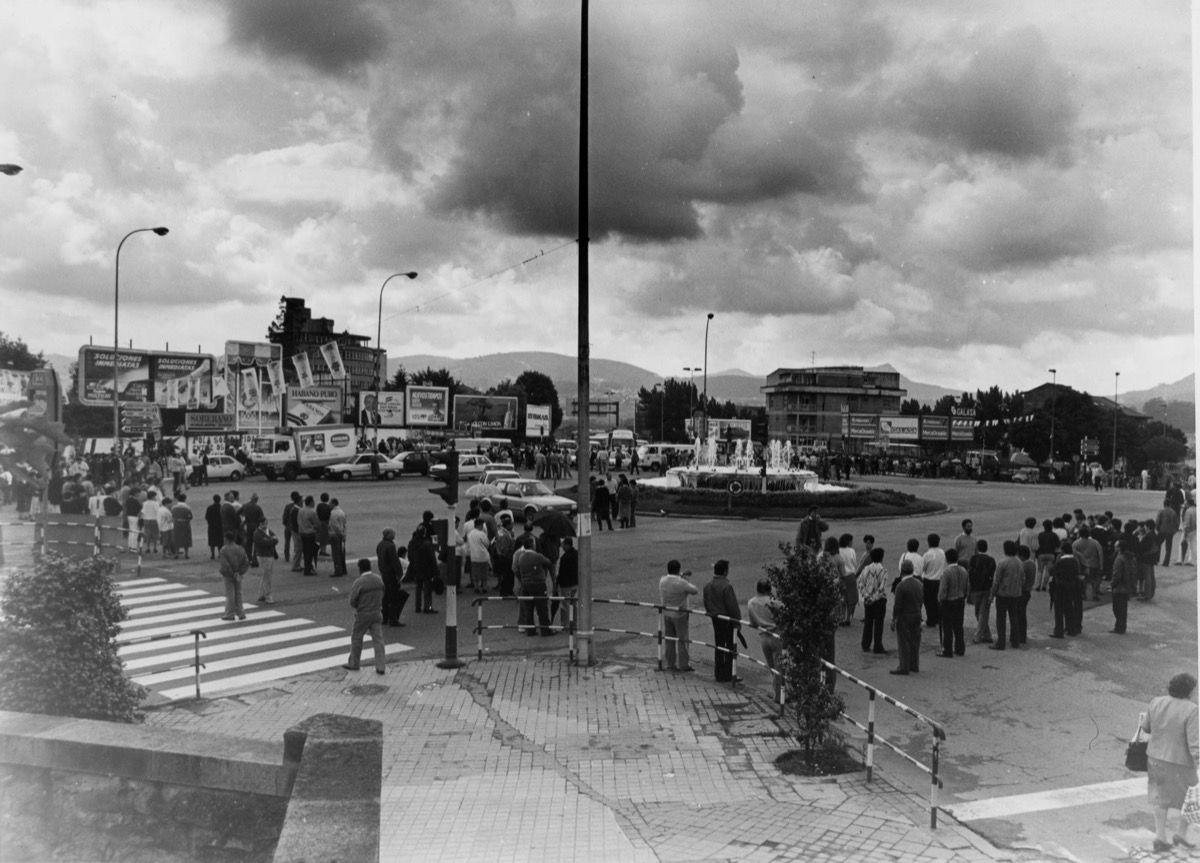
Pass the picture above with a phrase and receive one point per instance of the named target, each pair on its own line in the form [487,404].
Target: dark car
[413,461]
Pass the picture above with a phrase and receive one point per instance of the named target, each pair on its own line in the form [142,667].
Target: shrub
[808,598]
[58,651]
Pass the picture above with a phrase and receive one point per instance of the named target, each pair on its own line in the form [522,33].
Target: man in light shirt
[933,563]
[674,591]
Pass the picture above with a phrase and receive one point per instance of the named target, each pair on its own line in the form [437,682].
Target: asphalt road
[1052,717]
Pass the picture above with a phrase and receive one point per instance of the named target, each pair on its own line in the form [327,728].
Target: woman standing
[1171,722]
[181,515]
[624,501]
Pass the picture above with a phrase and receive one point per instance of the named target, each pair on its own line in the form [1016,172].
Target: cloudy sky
[972,192]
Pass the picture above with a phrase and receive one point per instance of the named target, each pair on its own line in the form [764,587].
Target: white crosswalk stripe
[157,643]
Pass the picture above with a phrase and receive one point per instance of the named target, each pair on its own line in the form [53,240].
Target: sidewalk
[533,759]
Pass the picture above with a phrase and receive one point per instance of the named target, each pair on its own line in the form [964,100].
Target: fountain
[740,472]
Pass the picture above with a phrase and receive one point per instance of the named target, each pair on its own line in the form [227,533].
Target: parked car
[470,467]
[491,477]
[1027,475]
[359,467]
[225,467]
[520,493]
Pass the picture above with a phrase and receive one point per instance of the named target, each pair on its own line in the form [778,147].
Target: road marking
[211,634]
[209,650]
[142,631]
[1041,801]
[159,596]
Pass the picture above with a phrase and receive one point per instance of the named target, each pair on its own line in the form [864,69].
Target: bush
[808,600]
[58,651]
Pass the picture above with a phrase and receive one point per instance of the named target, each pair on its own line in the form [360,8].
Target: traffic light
[449,491]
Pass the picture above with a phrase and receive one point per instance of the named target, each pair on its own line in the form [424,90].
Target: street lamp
[1113,473]
[162,232]
[692,389]
[1053,400]
[10,170]
[379,321]
[705,405]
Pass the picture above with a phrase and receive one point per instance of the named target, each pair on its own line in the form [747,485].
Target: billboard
[724,428]
[163,378]
[427,406]
[537,420]
[14,386]
[380,409]
[962,429]
[899,428]
[935,428]
[861,425]
[485,413]
[313,406]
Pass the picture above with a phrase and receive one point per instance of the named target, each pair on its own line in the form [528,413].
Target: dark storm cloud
[333,36]
[1012,99]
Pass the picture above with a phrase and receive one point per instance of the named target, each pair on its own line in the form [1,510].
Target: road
[1050,718]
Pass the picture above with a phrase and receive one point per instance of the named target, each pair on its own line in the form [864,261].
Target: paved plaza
[533,759]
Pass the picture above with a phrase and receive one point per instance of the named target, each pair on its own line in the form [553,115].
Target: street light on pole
[1053,402]
[162,232]
[691,370]
[1113,472]
[379,321]
[705,405]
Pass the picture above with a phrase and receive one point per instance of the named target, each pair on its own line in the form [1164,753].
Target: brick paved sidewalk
[532,759]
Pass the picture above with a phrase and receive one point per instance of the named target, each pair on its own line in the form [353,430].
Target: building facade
[807,406]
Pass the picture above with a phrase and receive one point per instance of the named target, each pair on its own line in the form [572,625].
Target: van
[659,456]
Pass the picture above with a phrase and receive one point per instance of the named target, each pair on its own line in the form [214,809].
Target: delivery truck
[303,450]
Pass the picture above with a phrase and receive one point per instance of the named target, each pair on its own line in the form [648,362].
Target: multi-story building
[808,405]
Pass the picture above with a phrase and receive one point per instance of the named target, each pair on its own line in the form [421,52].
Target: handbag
[1190,811]
[1135,751]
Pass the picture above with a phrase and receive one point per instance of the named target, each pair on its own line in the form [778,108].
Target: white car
[225,467]
[359,467]
[491,477]
[520,493]
[470,467]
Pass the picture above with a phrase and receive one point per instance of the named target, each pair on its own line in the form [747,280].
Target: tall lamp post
[705,405]
[1113,472]
[691,370]
[162,232]
[1053,402]
[379,321]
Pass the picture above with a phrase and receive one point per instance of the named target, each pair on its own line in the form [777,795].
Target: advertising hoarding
[380,409]
[862,425]
[537,420]
[427,406]
[145,377]
[485,413]
[962,429]
[724,428]
[935,429]
[313,406]
[900,428]
[196,422]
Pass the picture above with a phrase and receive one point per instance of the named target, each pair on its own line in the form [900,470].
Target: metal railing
[874,694]
[195,663]
[101,539]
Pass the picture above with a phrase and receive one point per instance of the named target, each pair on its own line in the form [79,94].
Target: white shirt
[935,564]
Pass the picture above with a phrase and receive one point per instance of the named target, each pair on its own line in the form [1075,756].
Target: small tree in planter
[808,605]
[58,650]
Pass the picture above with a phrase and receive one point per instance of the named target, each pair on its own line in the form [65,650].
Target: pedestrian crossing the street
[236,655]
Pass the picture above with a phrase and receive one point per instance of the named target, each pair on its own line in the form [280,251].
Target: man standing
[291,535]
[933,562]
[532,569]
[479,555]
[252,516]
[1006,593]
[1066,592]
[503,547]
[906,619]
[952,600]
[337,538]
[1090,556]
[964,544]
[1123,580]
[979,577]
[306,527]
[233,563]
[1166,525]
[390,570]
[366,598]
[808,534]
[567,581]
[324,508]
[674,591]
[720,599]
[872,589]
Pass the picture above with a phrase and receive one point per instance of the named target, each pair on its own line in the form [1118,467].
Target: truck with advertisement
[305,450]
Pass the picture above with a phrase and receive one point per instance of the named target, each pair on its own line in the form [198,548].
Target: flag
[173,393]
[275,374]
[333,360]
[249,397]
[303,370]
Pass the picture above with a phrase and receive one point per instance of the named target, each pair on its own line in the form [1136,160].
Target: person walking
[1166,525]
[952,599]
[979,576]
[906,619]
[1171,756]
[391,571]
[720,601]
[233,563]
[1124,581]
[366,598]
[872,588]
[675,592]
[266,550]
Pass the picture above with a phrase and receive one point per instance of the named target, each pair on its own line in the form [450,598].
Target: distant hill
[1183,390]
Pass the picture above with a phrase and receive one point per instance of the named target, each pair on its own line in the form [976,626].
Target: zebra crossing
[158,650]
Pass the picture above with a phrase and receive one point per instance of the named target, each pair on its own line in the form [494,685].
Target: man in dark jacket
[252,516]
[390,571]
[366,598]
[906,619]
[720,599]
[809,532]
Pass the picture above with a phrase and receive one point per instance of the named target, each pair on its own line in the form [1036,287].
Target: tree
[60,624]
[441,378]
[911,408]
[537,389]
[666,409]
[809,602]
[398,381]
[15,355]
[1162,449]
